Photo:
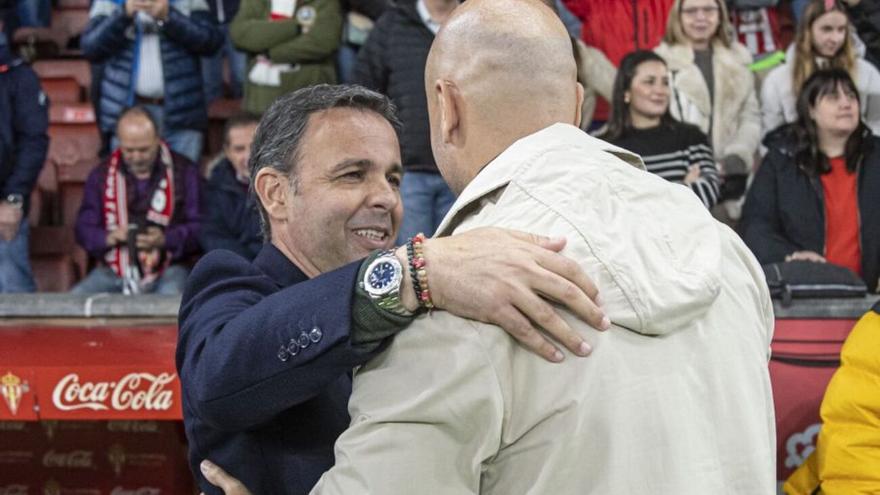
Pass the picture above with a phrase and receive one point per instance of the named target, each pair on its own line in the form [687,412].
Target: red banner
[88,373]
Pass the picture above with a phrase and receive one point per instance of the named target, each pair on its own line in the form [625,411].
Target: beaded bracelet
[413,272]
[419,269]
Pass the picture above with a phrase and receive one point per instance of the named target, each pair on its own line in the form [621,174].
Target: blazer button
[304,340]
[283,354]
[316,334]
[293,347]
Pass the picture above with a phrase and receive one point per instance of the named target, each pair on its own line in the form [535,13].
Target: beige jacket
[596,73]
[735,115]
[675,398]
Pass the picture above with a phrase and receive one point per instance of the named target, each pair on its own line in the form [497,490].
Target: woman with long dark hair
[814,196]
[823,41]
[640,122]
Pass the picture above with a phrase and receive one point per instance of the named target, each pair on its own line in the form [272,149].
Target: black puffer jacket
[392,62]
[785,212]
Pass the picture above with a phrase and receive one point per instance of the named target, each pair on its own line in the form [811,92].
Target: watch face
[383,276]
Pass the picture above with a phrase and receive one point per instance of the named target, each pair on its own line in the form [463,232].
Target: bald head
[498,71]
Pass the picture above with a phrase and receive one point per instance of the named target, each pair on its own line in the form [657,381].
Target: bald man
[676,397]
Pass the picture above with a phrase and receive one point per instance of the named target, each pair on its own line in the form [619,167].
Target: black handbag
[808,279]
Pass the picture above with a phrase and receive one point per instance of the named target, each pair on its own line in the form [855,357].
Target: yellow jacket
[847,457]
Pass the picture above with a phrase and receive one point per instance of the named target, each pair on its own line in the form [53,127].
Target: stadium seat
[62,90]
[73,4]
[72,143]
[78,69]
[218,111]
[71,113]
[52,263]
[71,22]
[44,198]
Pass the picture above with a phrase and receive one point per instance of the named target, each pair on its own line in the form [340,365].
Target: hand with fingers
[221,479]
[511,279]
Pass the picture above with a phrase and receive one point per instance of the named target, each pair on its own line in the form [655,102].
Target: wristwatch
[16,200]
[382,280]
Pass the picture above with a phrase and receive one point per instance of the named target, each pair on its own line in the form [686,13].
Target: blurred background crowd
[126,124]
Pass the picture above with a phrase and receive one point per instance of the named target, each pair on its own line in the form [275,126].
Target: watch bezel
[395,283]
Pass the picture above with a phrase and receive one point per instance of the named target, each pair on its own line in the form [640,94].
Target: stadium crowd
[705,91]
[126,125]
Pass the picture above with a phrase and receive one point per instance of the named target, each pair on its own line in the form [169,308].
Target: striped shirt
[670,150]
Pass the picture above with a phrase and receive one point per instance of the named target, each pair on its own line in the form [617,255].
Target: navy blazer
[265,361]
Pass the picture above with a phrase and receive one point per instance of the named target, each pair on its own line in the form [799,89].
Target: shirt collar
[431,24]
[271,261]
[499,172]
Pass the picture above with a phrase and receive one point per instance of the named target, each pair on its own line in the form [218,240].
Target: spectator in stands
[290,45]
[814,197]
[713,89]
[392,62]
[144,198]
[212,65]
[845,461]
[360,17]
[150,52]
[641,122]
[24,141]
[823,41]
[865,16]
[618,28]
[231,218]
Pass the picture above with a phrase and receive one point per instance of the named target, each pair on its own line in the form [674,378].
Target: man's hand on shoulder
[10,219]
[508,278]
[221,479]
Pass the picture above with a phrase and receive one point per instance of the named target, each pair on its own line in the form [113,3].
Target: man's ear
[449,107]
[580,105]
[273,190]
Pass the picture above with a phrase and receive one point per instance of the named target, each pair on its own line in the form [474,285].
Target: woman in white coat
[713,88]
[823,41]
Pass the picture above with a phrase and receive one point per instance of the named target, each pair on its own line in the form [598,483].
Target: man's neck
[309,269]
[440,9]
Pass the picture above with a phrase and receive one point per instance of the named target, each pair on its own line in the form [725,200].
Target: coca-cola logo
[14,490]
[72,459]
[144,490]
[133,392]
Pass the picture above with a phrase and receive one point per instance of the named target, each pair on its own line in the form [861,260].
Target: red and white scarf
[115,210]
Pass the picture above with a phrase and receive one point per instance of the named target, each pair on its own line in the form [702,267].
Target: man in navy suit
[266,348]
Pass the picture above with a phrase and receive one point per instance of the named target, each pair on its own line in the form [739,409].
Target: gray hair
[278,139]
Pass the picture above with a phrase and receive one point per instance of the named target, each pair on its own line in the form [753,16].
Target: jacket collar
[499,172]
[271,261]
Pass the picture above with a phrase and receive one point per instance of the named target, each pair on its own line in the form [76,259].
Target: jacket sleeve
[90,229]
[233,323]
[104,35]
[772,114]
[744,142]
[198,33]
[761,226]
[182,236]
[252,31]
[432,396]
[318,43]
[30,122]
[848,458]
[871,98]
[370,70]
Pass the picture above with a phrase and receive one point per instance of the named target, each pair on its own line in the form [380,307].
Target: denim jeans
[426,199]
[102,279]
[187,142]
[212,69]
[15,265]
